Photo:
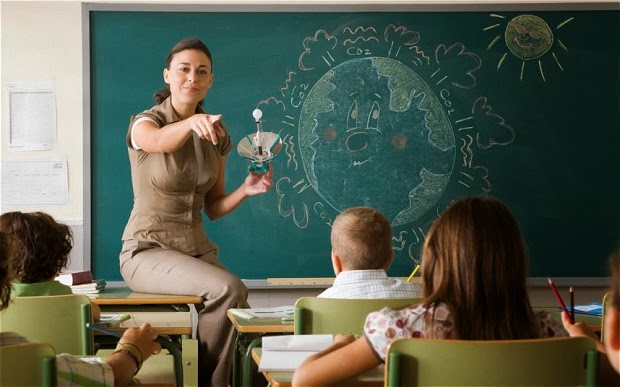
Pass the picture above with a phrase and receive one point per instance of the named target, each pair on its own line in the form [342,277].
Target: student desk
[242,349]
[593,322]
[372,378]
[169,314]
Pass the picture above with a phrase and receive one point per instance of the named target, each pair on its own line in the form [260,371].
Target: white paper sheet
[287,352]
[32,115]
[33,182]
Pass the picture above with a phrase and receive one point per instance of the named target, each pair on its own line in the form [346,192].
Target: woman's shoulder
[162,113]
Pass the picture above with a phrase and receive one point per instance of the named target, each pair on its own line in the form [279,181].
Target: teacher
[177,153]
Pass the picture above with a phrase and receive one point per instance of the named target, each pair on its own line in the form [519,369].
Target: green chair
[605,304]
[58,320]
[27,364]
[566,361]
[335,315]
[315,315]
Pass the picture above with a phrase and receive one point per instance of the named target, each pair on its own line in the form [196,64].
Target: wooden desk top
[260,325]
[371,378]
[125,296]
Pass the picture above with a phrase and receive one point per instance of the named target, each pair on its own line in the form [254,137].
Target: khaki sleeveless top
[167,198]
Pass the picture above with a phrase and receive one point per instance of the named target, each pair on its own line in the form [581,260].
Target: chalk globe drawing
[373,125]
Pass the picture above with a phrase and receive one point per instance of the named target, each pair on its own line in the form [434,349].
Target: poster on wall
[32,115]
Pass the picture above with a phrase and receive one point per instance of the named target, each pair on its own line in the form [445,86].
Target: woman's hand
[208,126]
[258,183]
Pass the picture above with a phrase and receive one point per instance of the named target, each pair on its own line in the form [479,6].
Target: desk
[242,350]
[170,314]
[372,378]
[593,322]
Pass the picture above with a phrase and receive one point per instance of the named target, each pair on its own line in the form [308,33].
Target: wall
[44,41]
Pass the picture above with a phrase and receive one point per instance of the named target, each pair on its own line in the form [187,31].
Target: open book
[279,312]
[287,352]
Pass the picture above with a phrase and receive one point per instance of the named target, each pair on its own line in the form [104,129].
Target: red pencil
[557,295]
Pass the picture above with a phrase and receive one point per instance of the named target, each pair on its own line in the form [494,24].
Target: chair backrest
[604,305]
[566,361]
[28,364]
[333,315]
[58,320]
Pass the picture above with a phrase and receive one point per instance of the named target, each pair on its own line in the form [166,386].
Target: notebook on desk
[287,352]
[286,312]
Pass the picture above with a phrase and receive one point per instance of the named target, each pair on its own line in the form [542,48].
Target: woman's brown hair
[475,261]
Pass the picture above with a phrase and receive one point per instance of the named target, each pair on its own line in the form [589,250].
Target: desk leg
[189,355]
[174,350]
[247,362]
[236,360]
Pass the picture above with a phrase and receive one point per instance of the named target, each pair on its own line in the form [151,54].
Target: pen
[557,295]
[413,273]
[101,329]
[572,303]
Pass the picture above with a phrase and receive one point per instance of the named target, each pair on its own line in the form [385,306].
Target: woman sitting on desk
[474,269]
[177,153]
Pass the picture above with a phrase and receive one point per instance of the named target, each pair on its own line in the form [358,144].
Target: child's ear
[336,263]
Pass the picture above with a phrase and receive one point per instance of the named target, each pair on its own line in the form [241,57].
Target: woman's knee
[237,290]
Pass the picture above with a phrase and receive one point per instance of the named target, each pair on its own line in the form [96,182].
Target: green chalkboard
[402,111]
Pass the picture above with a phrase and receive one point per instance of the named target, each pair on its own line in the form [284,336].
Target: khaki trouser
[148,268]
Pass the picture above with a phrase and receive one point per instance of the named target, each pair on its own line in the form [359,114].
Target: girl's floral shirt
[429,321]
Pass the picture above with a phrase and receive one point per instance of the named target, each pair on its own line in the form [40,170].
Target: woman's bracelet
[133,351]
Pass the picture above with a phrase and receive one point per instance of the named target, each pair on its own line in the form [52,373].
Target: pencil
[572,303]
[101,329]
[413,273]
[559,298]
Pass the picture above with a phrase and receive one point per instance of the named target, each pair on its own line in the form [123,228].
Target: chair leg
[174,350]
[247,361]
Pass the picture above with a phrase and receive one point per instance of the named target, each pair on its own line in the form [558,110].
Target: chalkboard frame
[422,6]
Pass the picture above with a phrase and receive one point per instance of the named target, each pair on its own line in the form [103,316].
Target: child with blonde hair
[361,240]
